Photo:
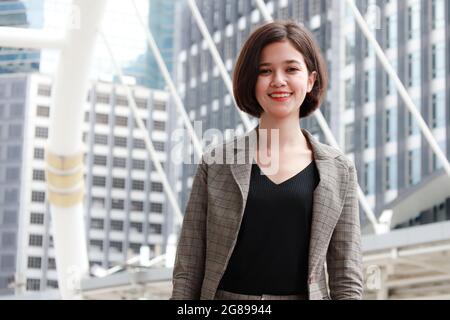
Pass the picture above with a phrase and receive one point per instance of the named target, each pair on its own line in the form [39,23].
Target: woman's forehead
[280,53]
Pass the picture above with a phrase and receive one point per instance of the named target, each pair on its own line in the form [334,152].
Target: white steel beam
[217,59]
[378,228]
[64,155]
[400,87]
[31,38]
[165,73]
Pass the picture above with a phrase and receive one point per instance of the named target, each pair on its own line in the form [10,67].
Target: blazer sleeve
[344,257]
[189,264]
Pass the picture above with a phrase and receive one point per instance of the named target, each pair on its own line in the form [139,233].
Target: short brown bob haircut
[247,65]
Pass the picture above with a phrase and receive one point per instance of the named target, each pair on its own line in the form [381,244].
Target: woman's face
[283,80]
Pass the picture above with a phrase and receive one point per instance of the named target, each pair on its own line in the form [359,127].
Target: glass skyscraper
[27,14]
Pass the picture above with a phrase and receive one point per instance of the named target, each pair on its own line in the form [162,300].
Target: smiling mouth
[280,95]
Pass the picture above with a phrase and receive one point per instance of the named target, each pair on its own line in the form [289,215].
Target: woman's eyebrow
[264,64]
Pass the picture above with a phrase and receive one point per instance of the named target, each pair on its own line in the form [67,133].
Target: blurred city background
[130,209]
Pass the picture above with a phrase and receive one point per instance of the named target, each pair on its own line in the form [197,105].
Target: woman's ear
[311,80]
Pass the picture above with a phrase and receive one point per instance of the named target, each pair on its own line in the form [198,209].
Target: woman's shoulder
[338,156]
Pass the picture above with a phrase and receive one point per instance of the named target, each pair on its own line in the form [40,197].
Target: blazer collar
[326,206]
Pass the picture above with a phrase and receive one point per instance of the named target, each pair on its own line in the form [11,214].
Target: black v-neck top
[271,252]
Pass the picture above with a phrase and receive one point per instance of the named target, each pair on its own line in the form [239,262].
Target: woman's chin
[281,113]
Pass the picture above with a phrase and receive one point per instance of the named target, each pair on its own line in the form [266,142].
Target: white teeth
[283,95]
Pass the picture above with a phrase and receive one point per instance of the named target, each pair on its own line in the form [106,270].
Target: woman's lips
[281,99]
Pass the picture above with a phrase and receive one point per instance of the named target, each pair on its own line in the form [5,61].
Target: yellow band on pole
[65,199]
[63,162]
[64,181]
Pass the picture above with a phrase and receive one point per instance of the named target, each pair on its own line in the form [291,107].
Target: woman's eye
[264,71]
[292,69]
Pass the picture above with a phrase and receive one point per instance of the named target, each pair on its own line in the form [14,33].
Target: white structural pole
[217,59]
[173,91]
[330,138]
[264,11]
[30,38]
[147,140]
[64,155]
[400,87]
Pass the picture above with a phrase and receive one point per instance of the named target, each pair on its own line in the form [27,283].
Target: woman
[287,230]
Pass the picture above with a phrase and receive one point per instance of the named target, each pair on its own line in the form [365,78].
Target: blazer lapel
[241,166]
[327,203]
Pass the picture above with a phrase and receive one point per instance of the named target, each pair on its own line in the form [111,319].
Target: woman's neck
[290,134]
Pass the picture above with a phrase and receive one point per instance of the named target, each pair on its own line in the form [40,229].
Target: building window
[155,228]
[101,118]
[52,284]
[119,162]
[97,244]
[34,262]
[387,182]
[37,218]
[14,131]
[14,153]
[121,121]
[97,223]
[349,94]
[101,139]
[159,146]
[437,14]
[141,103]
[135,247]
[117,204]
[41,132]
[98,203]
[103,98]
[16,110]
[159,125]
[43,111]
[99,181]
[9,217]
[117,245]
[116,225]
[120,141]
[349,48]
[121,101]
[139,144]
[349,138]
[51,264]
[35,240]
[38,175]
[438,60]
[8,240]
[387,122]
[138,164]
[12,175]
[7,262]
[17,89]
[38,153]
[157,186]
[100,160]
[38,196]
[137,206]
[44,90]
[137,226]
[119,183]
[156,207]
[138,185]
[33,284]
[159,105]
[11,196]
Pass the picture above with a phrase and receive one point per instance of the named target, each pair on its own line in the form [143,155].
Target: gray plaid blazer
[216,206]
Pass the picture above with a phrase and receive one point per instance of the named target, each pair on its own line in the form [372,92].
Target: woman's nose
[277,80]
